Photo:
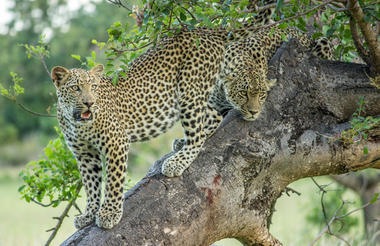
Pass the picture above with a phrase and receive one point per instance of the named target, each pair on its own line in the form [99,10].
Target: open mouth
[84,116]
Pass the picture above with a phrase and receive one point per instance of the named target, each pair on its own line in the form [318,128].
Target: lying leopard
[242,82]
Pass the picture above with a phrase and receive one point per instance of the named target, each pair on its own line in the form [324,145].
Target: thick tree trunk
[231,188]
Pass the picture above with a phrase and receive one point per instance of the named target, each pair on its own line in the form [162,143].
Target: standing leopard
[168,83]
[242,83]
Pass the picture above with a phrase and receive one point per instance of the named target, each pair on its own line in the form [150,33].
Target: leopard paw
[83,220]
[173,167]
[108,219]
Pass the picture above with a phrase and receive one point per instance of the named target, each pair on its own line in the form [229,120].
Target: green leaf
[317,35]
[374,199]
[283,26]
[76,57]
[108,73]
[117,24]
[365,150]
[115,78]
[182,16]
[284,37]
[4,92]
[21,188]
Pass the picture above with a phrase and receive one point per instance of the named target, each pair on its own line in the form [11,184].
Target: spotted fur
[168,83]
[242,82]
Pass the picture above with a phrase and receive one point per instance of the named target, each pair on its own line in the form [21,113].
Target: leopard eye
[75,88]
[263,96]
[94,86]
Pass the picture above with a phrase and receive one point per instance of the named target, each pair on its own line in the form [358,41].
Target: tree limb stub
[231,188]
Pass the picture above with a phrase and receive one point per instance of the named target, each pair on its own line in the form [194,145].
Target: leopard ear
[98,69]
[59,75]
[271,83]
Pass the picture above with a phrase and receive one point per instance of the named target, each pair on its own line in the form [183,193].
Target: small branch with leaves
[14,91]
[63,216]
[336,217]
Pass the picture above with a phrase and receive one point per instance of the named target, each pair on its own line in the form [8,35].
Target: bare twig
[77,207]
[120,52]
[63,216]
[189,12]
[262,8]
[44,64]
[327,228]
[335,217]
[336,9]
[288,189]
[41,204]
[34,113]
[338,4]
[322,189]
[119,3]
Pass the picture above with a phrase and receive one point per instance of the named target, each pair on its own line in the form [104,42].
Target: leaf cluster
[15,89]
[160,19]
[39,50]
[360,126]
[52,179]
[88,61]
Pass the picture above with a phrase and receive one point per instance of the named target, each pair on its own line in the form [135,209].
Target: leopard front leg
[89,164]
[116,153]
[211,121]
[199,121]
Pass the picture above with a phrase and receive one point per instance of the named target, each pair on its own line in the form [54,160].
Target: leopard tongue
[86,115]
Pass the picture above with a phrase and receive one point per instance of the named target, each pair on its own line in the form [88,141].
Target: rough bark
[231,188]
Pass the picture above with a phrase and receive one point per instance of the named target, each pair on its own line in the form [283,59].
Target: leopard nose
[88,104]
[253,112]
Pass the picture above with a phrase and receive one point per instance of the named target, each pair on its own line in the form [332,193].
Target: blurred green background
[69,27]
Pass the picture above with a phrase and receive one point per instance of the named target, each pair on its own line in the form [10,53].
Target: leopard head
[77,92]
[247,93]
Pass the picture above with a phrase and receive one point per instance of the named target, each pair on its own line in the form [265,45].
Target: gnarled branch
[231,188]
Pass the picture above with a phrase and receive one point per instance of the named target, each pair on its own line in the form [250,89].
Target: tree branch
[33,112]
[63,216]
[231,188]
[262,8]
[369,35]
[119,3]
[358,43]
